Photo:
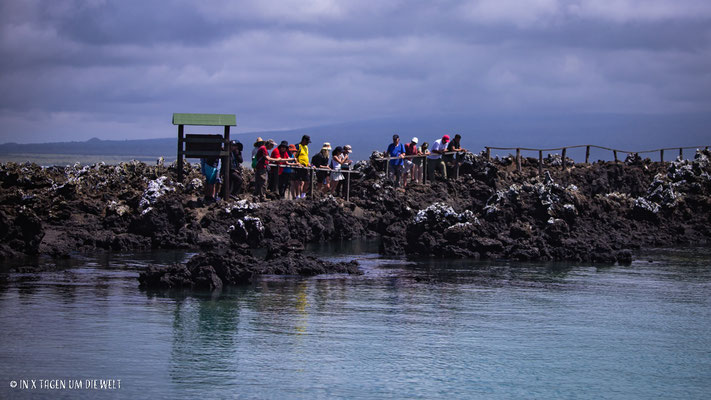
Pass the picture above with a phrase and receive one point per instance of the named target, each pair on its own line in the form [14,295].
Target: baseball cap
[445,138]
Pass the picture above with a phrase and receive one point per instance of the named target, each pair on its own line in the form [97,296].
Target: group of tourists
[406,161]
[284,169]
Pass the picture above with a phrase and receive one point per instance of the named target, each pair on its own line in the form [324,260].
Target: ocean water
[401,330]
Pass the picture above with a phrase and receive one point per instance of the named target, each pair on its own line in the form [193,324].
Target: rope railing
[587,153]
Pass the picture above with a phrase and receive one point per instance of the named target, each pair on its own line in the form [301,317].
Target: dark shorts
[301,174]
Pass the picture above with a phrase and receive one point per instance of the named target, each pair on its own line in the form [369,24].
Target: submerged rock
[216,269]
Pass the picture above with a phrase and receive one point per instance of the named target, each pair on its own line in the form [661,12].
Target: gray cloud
[77,69]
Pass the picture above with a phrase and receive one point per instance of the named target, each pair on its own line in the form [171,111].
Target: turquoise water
[402,330]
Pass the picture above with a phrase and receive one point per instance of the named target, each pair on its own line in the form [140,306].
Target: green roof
[205,119]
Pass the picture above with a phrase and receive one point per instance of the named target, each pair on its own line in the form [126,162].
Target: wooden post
[565,150]
[518,160]
[488,154]
[540,162]
[614,152]
[226,165]
[661,155]
[681,153]
[387,168]
[348,186]
[424,171]
[180,153]
[313,172]
[587,154]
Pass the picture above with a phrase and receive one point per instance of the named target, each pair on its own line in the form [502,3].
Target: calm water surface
[401,330]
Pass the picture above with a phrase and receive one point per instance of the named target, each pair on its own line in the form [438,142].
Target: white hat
[347,148]
[326,146]
[414,140]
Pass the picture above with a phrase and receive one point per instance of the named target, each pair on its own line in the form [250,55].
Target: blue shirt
[394,150]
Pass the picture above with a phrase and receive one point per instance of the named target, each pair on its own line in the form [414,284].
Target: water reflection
[203,348]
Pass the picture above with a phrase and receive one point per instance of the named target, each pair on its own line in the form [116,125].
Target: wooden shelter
[204,146]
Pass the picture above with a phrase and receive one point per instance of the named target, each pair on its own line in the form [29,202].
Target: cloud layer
[75,69]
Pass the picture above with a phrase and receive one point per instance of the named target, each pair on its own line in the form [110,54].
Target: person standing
[412,164]
[235,170]
[454,159]
[302,157]
[320,160]
[336,165]
[396,151]
[260,169]
[434,160]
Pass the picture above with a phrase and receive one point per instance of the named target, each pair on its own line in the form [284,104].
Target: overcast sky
[72,70]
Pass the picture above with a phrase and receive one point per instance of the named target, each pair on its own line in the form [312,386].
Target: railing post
[540,162]
[348,186]
[565,150]
[226,164]
[424,171]
[614,152]
[681,153]
[587,154]
[518,160]
[661,155]
[180,153]
[313,172]
[387,167]
[488,154]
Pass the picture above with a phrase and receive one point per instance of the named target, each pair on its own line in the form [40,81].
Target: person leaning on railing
[260,169]
[413,163]
[396,153]
[453,160]
[320,161]
[434,160]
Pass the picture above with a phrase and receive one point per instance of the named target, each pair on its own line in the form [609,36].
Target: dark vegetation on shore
[597,213]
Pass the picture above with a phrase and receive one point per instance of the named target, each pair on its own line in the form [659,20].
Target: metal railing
[312,175]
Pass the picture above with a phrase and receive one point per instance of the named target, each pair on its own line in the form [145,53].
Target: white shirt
[437,145]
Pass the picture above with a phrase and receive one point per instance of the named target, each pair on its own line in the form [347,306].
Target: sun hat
[292,148]
[445,138]
[348,148]
[306,138]
[284,143]
[272,142]
[414,140]
[326,146]
[259,140]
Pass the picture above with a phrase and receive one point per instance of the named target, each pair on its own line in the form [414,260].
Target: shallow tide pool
[401,330]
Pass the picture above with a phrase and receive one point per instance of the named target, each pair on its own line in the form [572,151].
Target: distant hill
[627,132]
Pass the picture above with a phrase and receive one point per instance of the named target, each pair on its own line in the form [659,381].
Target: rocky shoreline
[599,213]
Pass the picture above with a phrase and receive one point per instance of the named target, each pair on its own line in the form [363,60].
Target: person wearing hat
[336,164]
[320,160]
[346,165]
[302,158]
[257,144]
[396,153]
[434,160]
[413,163]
